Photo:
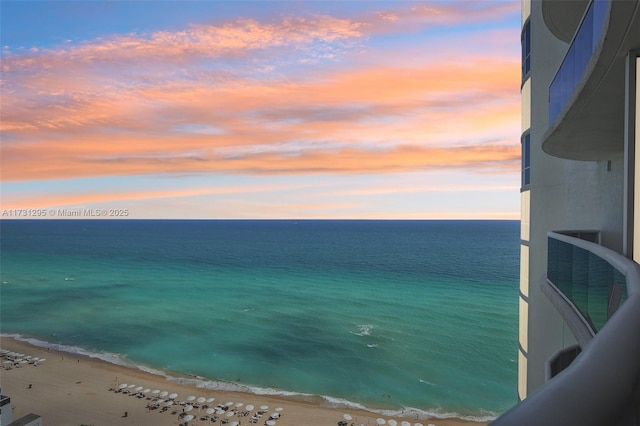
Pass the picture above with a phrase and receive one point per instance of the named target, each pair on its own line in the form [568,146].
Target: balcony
[587,94]
[577,58]
[597,291]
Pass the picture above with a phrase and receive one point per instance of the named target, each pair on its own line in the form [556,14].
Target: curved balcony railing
[577,58]
[602,385]
[592,285]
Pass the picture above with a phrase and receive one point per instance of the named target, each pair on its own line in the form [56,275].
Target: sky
[260,109]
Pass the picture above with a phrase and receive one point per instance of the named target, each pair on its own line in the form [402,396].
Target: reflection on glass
[592,284]
[577,57]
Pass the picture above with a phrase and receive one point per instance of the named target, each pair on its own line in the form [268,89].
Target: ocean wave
[204,383]
[364,330]
[110,357]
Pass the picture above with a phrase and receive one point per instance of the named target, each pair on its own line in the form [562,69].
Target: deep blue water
[387,314]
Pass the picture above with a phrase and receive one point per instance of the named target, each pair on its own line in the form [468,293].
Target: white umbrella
[249,407]
[188,418]
[188,408]
[168,403]
[235,423]
[239,404]
[405,423]
[229,404]
[279,409]
[230,414]
[210,410]
[219,411]
[146,390]
[191,398]
[122,386]
[270,422]
[201,400]
[392,422]
[347,417]
[42,359]
[11,362]
[155,391]
[418,424]
[210,400]
[139,388]
[163,394]
[264,407]
[160,401]
[173,395]
[380,421]
[131,386]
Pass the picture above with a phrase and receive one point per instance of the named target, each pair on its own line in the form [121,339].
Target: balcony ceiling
[563,17]
[591,126]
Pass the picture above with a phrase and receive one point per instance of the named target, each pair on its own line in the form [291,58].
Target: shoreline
[73,388]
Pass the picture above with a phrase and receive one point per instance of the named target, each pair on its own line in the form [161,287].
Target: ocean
[394,316]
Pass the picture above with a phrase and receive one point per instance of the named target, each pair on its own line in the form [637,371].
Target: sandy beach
[71,389]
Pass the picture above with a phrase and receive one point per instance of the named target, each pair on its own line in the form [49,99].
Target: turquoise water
[391,315]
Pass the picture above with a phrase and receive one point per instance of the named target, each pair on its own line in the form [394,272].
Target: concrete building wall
[564,195]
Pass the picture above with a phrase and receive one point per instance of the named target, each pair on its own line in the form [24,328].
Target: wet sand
[71,389]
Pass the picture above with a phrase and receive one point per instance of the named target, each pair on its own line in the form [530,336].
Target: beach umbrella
[168,403]
[201,400]
[264,407]
[42,359]
[139,388]
[229,404]
[210,410]
[418,424]
[188,408]
[348,417]
[380,421]
[235,423]
[279,409]
[146,390]
[123,385]
[275,415]
[163,394]
[239,404]
[173,395]
[210,400]
[219,411]
[405,423]
[270,422]
[392,423]
[131,386]
[160,401]
[191,398]
[230,414]
[155,391]
[189,418]
[249,407]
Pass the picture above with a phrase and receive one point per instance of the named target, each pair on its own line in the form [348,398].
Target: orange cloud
[66,117]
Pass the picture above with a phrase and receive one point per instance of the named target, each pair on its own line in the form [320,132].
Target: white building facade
[580,230]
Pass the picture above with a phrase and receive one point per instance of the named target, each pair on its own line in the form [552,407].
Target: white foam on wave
[372,345]
[364,330]
[426,382]
[109,357]
[409,412]
[203,383]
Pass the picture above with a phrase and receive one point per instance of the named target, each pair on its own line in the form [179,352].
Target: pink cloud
[65,117]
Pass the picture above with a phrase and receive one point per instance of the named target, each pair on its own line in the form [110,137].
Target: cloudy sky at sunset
[268,109]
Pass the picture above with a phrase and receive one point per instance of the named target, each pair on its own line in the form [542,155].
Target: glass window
[525,40]
[526,159]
